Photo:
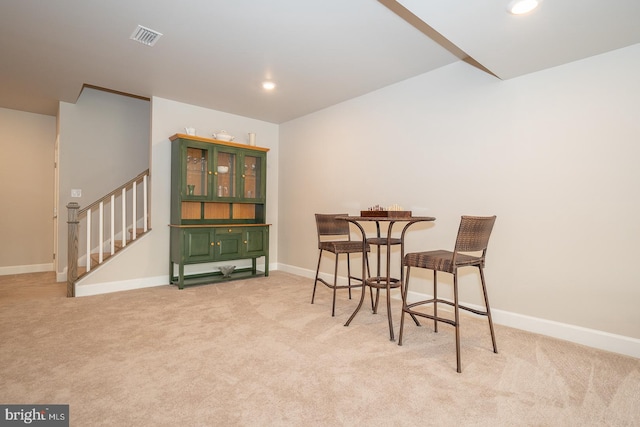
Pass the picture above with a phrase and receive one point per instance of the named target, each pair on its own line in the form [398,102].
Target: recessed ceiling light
[519,7]
[269,85]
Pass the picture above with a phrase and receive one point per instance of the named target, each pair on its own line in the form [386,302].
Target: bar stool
[337,230]
[470,250]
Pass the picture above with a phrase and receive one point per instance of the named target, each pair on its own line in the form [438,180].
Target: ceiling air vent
[145,35]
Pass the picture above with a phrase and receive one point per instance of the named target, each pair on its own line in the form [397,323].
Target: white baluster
[88,240]
[113,224]
[124,217]
[101,233]
[145,224]
[134,211]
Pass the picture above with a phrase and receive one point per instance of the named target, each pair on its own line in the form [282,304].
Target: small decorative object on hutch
[223,136]
[218,206]
[226,270]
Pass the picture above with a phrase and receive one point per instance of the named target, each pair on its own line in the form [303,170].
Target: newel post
[72,248]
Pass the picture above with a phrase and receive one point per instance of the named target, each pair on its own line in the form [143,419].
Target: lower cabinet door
[228,243]
[209,244]
[255,241]
[198,245]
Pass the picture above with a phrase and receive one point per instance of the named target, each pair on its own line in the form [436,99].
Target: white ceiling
[216,53]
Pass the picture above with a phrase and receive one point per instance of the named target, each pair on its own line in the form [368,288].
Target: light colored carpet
[257,353]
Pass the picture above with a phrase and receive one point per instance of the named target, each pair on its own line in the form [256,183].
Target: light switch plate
[76,192]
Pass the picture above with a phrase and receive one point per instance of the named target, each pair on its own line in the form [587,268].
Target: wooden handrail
[114,192]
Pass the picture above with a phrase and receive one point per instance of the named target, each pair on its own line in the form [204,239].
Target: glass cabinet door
[252,176]
[197,172]
[225,173]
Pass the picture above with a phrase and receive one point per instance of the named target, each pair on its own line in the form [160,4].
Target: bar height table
[383,282]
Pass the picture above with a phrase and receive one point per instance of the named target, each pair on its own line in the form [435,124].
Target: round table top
[388,218]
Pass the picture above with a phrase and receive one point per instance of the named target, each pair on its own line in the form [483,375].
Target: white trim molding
[21,269]
[577,334]
[123,285]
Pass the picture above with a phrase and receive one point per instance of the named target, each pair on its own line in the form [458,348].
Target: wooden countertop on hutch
[217,141]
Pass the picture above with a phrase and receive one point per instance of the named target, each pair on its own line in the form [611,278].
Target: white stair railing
[134,210]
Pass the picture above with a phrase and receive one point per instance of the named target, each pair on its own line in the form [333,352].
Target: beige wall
[104,142]
[26,191]
[553,154]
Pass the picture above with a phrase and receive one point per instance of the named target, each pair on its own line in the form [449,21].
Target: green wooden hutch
[218,206]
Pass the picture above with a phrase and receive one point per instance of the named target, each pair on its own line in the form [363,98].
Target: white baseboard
[301,271]
[61,276]
[21,269]
[123,285]
[590,337]
[577,334]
